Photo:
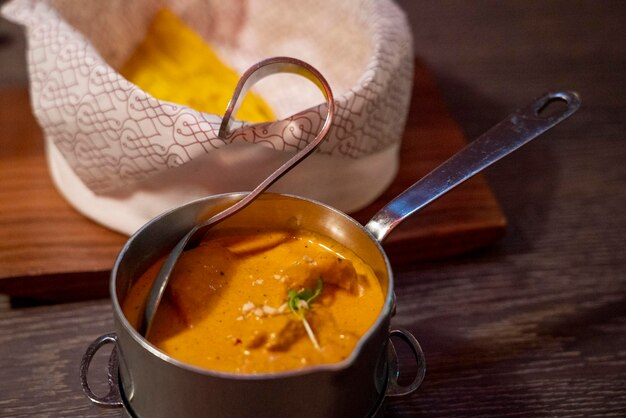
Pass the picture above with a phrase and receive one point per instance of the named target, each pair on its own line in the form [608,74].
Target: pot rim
[386,311]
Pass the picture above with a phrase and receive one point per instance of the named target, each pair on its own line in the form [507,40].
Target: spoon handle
[507,136]
[251,76]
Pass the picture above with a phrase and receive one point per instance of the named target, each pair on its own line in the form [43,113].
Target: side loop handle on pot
[113,399]
[394,388]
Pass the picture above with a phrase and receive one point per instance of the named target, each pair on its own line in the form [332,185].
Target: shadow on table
[523,182]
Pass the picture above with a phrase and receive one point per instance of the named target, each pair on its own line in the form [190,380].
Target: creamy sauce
[226,305]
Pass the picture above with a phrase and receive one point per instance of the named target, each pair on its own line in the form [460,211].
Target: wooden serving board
[51,252]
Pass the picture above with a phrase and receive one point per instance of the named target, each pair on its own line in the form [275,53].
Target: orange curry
[262,301]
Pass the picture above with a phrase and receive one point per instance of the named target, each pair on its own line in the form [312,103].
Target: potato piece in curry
[227,304]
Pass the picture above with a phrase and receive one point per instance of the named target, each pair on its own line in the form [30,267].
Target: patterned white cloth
[121,156]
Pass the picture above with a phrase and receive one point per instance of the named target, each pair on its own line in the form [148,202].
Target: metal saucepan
[153,384]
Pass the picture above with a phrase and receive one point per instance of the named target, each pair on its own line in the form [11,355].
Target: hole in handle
[553,107]
[557,105]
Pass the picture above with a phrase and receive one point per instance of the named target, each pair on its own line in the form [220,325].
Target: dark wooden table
[534,325]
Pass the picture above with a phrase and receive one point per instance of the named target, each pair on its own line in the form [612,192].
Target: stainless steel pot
[152,384]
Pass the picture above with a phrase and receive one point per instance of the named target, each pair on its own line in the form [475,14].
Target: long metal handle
[516,130]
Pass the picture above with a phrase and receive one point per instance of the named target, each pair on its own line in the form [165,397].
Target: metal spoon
[250,77]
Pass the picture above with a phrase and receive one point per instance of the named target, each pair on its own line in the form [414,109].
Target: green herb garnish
[300,303]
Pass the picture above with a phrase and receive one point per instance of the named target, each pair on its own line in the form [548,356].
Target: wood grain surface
[534,325]
[50,251]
